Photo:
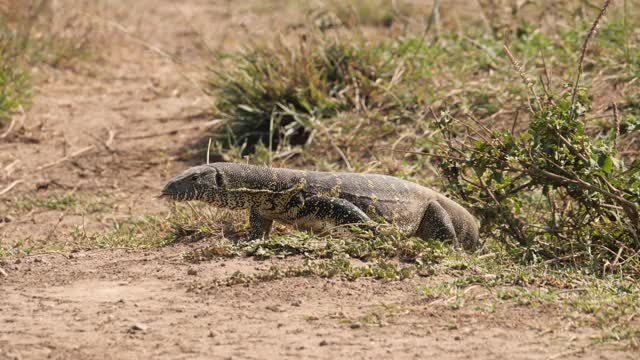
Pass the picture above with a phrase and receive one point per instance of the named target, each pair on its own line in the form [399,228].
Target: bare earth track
[89,306]
[130,111]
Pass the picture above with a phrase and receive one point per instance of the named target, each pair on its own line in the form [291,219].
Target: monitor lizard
[321,200]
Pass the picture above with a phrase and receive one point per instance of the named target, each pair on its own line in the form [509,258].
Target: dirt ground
[118,124]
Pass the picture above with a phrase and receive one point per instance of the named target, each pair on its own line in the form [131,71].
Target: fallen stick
[13,123]
[66,158]
[109,142]
[565,354]
[11,186]
[6,133]
[170,132]
[9,168]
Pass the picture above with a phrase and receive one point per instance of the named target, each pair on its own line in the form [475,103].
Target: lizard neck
[245,186]
[235,198]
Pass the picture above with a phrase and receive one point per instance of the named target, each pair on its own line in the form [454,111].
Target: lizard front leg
[330,210]
[259,226]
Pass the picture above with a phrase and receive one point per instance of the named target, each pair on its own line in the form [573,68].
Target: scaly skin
[320,200]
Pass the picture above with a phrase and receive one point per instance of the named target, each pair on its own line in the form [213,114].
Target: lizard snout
[168,191]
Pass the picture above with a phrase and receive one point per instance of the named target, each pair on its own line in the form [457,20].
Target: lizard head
[197,183]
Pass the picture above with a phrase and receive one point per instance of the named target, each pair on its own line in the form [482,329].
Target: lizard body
[320,200]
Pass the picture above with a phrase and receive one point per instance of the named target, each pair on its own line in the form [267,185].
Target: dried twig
[208,124]
[337,149]
[11,186]
[434,18]
[9,129]
[616,124]
[109,142]
[515,121]
[528,82]
[9,168]
[66,158]
[583,50]
[106,143]
[13,123]
[630,208]
[565,354]
[53,229]
[405,151]
[546,73]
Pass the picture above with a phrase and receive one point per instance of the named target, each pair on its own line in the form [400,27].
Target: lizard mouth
[175,196]
[168,195]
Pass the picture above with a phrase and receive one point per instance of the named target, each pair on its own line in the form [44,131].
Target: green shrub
[553,192]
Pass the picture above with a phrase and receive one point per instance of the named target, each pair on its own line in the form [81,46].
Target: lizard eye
[219,180]
[194,177]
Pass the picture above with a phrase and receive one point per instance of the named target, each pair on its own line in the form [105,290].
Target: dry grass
[46,31]
[36,32]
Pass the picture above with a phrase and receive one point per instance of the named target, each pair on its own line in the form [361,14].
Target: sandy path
[117,304]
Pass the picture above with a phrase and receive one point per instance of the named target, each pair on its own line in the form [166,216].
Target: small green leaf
[606,163]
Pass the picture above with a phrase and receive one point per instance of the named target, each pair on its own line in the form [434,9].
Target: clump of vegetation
[33,32]
[194,222]
[341,268]
[378,13]
[13,81]
[551,192]
[318,90]
[70,202]
[13,85]
[136,232]
[281,94]
[44,32]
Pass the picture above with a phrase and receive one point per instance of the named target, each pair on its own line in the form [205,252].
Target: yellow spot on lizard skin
[371,210]
[396,220]
[335,190]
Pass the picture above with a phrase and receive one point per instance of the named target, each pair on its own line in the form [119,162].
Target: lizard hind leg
[436,224]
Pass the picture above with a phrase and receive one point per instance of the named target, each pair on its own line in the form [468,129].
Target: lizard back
[397,201]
